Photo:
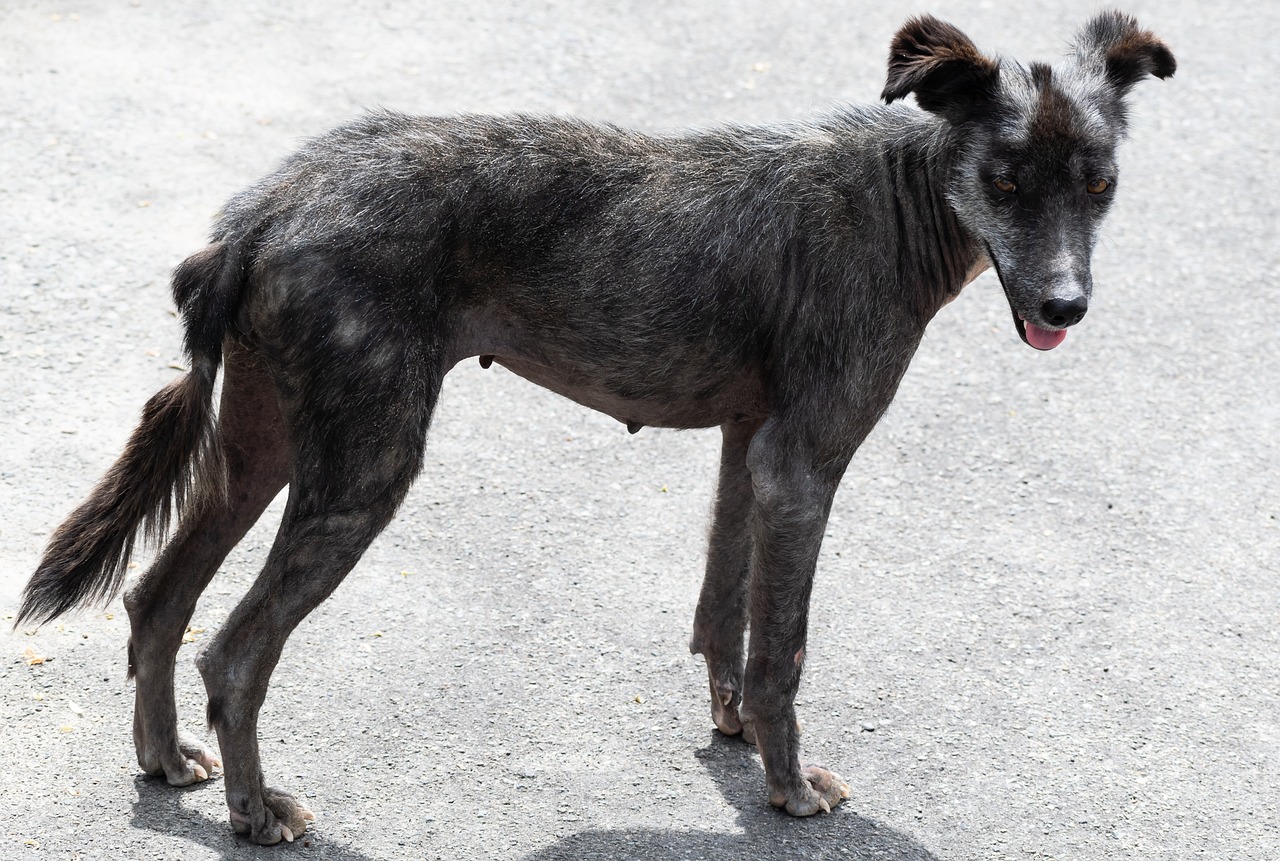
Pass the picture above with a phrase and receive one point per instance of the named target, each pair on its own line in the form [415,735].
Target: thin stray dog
[773,281]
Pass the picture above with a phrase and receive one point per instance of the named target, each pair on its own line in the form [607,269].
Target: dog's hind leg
[358,432]
[721,617]
[160,604]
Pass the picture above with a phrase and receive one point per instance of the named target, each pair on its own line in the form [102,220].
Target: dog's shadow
[765,832]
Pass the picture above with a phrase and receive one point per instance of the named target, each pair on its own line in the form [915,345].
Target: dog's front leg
[793,487]
[721,618]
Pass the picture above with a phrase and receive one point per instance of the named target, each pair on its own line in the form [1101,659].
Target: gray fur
[773,281]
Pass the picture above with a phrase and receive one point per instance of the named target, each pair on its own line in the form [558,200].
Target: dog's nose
[1064,312]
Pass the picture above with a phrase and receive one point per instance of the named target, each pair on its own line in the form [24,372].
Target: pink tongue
[1044,339]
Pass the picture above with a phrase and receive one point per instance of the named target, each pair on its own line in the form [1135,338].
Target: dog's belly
[651,376]
[681,402]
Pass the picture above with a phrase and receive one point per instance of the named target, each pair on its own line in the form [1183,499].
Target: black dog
[772,281]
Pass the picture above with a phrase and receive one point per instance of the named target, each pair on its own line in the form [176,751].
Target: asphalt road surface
[1045,620]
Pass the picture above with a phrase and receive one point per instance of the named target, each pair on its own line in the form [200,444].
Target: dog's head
[1035,170]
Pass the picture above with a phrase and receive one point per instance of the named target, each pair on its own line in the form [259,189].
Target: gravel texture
[1044,624]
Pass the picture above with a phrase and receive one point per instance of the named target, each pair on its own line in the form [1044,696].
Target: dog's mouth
[1031,334]
[1035,336]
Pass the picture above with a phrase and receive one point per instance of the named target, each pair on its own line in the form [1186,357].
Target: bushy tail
[172,461]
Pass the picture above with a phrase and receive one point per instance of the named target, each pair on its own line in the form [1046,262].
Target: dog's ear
[942,66]
[1113,45]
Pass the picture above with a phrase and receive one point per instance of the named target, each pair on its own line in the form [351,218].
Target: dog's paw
[199,758]
[284,817]
[190,762]
[818,790]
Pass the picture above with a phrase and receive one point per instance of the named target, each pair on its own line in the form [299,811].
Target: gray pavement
[1045,618]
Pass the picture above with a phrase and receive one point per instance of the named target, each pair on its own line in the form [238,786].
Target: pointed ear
[942,66]
[1113,45]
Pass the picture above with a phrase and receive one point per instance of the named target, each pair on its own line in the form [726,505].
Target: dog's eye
[1097,186]
[1004,185]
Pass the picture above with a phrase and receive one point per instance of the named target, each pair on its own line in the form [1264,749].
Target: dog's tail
[172,462]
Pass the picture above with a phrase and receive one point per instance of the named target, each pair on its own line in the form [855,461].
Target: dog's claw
[286,833]
[193,773]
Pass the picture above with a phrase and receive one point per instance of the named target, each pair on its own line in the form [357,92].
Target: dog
[772,281]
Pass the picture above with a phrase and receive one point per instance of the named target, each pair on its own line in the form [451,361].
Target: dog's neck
[936,255]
